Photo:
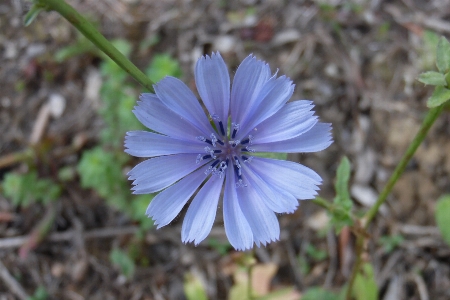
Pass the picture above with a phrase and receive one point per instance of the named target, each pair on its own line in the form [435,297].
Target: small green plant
[316,293]
[193,288]
[365,286]
[440,79]
[442,217]
[39,294]
[220,247]
[122,261]
[25,189]
[391,242]
[341,216]
[315,253]
[163,65]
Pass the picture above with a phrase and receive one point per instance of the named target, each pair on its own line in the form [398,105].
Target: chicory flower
[191,151]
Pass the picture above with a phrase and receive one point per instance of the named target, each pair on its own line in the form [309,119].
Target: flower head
[190,150]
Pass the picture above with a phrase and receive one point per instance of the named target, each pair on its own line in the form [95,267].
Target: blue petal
[200,216]
[213,85]
[298,180]
[156,116]
[290,121]
[238,230]
[276,200]
[149,144]
[275,93]
[158,173]
[180,99]
[168,204]
[262,220]
[250,78]
[316,139]
[269,196]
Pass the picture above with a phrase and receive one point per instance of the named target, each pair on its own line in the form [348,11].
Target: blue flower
[191,151]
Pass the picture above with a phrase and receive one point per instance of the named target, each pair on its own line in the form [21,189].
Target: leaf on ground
[442,217]
[193,288]
[365,286]
[123,261]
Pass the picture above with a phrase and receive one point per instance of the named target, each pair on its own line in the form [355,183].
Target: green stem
[429,120]
[332,208]
[356,266]
[89,31]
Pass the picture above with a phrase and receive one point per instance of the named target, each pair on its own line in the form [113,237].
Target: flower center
[224,151]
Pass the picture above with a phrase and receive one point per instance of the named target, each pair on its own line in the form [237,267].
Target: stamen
[247,140]
[247,159]
[235,129]
[247,149]
[203,139]
[234,143]
[213,139]
[211,167]
[222,129]
[210,151]
[199,158]
[237,165]
[216,118]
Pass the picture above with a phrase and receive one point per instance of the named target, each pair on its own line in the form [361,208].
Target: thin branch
[15,242]
[12,283]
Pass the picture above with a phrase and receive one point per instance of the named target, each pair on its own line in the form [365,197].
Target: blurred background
[71,229]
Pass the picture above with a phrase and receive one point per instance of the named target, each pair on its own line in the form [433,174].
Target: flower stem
[89,31]
[429,120]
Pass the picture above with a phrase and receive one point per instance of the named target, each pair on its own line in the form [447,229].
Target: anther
[210,151]
[247,159]
[234,143]
[235,129]
[247,149]
[213,139]
[222,129]
[247,140]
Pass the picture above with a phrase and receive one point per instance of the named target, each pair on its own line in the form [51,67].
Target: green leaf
[39,294]
[341,215]
[25,189]
[193,288]
[163,65]
[443,55]
[32,14]
[316,293]
[123,261]
[365,286]
[341,186]
[315,253]
[442,217]
[391,242]
[100,170]
[439,96]
[433,78]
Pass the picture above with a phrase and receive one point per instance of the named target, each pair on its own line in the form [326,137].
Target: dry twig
[11,283]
